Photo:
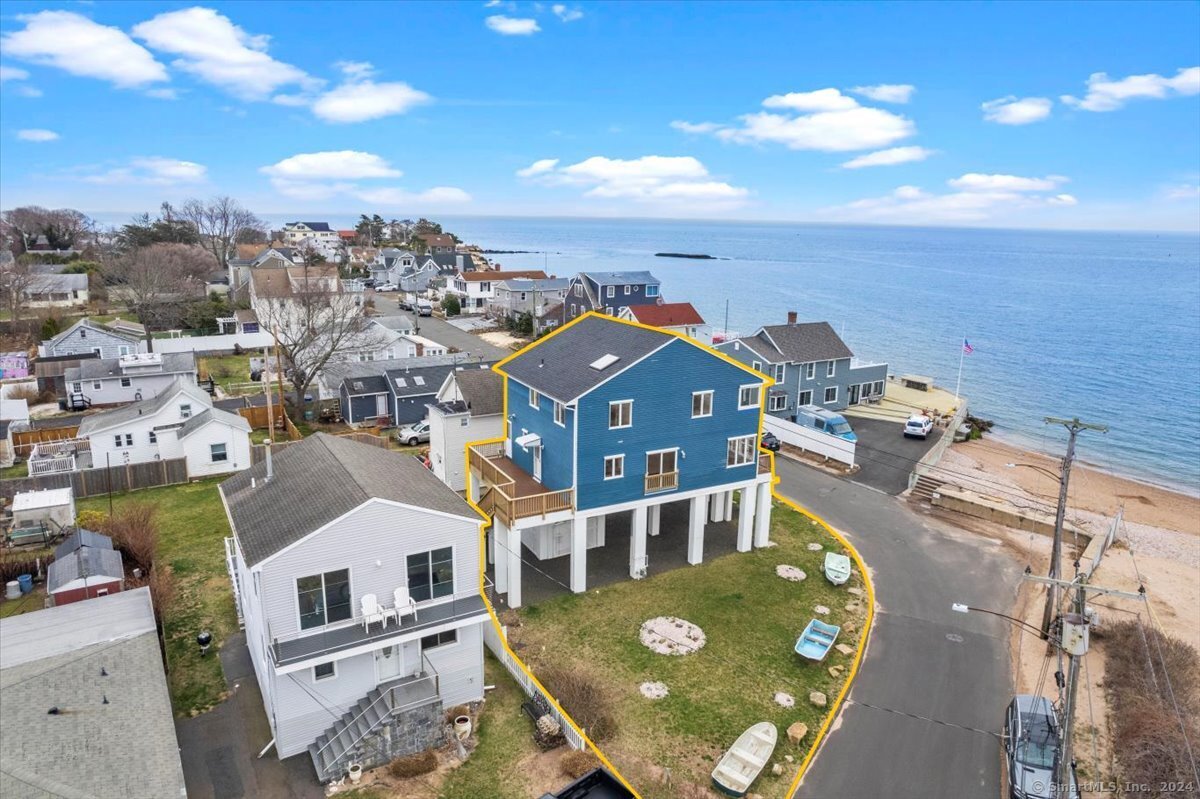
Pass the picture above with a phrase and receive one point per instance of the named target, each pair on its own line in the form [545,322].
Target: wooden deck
[511,493]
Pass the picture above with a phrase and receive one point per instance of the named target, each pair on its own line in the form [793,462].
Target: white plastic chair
[404,605]
[371,611]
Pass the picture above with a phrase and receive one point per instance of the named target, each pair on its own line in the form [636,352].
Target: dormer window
[651,291]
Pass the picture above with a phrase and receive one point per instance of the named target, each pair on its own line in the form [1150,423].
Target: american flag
[967,348]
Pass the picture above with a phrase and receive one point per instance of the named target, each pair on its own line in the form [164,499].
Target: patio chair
[371,611]
[404,605]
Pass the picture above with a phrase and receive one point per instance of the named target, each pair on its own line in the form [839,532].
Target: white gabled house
[128,378]
[86,337]
[356,572]
[468,407]
[180,422]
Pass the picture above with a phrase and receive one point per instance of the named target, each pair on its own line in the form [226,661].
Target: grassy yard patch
[192,526]
[751,618]
[226,370]
[16,470]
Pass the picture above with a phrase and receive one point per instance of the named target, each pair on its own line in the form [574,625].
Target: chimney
[270,466]
[791,317]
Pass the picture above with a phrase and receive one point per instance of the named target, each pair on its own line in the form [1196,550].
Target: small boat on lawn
[740,766]
[817,639]
[837,568]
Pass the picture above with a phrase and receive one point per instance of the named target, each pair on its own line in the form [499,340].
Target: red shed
[85,566]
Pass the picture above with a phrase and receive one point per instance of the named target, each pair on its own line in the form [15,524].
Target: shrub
[162,590]
[456,711]
[91,519]
[134,531]
[413,765]
[50,328]
[26,391]
[451,305]
[584,698]
[13,564]
[577,762]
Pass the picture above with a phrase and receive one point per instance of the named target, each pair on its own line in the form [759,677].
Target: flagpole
[962,351]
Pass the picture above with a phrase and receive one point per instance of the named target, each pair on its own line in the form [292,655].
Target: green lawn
[226,370]
[18,469]
[192,525]
[751,618]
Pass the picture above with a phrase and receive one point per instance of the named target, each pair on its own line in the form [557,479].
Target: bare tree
[64,228]
[157,281]
[315,322]
[220,222]
[16,281]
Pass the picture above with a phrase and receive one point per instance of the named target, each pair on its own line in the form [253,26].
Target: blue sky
[1033,114]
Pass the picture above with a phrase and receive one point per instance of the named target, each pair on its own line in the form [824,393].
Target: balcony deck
[322,642]
[514,493]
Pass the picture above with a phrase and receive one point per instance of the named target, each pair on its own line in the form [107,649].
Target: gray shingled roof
[319,479]
[620,278]
[415,382]
[808,341]
[172,363]
[482,389]
[196,421]
[365,385]
[82,538]
[560,366]
[147,407]
[84,562]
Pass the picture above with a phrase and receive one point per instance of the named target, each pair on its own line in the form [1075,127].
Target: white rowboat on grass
[748,756]
[837,568]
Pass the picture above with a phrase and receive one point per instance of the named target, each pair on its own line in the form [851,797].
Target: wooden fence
[25,440]
[91,482]
[258,452]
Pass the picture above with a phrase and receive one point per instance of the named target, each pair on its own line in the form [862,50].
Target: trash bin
[12,589]
[308,416]
[25,581]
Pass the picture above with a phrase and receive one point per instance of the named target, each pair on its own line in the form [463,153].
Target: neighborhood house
[468,408]
[128,378]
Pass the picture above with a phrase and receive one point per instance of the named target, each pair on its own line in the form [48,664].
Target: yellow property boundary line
[819,737]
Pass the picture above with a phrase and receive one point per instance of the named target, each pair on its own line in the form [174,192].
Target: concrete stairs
[335,748]
[925,488]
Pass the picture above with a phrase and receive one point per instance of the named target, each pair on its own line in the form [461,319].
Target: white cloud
[978,198]
[887,92]
[75,44]
[392,196]
[891,157]
[359,100]
[1107,94]
[1013,111]
[37,135]
[12,73]
[29,91]
[538,168]
[151,170]
[975,181]
[695,127]
[512,26]
[566,14]
[649,179]
[162,94]
[1183,191]
[356,69]
[332,165]
[824,120]
[212,48]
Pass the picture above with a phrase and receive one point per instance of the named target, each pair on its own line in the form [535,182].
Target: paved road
[443,333]
[886,456]
[922,659]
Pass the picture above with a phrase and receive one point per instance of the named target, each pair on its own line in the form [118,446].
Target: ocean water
[1103,326]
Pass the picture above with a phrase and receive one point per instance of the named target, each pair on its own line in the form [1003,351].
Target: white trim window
[533,398]
[756,366]
[444,638]
[610,292]
[749,397]
[804,398]
[651,290]
[126,437]
[218,452]
[620,414]
[431,574]
[831,394]
[628,290]
[560,414]
[740,451]
[810,370]
[831,369]
[97,385]
[777,402]
[185,411]
[324,671]
[324,598]
[153,437]
[614,467]
[780,372]
[126,382]
[577,290]
[702,404]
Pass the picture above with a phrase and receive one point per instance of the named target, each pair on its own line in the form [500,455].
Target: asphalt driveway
[885,455]
[922,718]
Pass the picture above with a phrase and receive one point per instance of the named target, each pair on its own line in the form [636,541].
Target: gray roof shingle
[807,341]
[319,479]
[620,278]
[482,389]
[172,363]
[147,407]
[560,366]
[84,562]
[198,420]
[365,385]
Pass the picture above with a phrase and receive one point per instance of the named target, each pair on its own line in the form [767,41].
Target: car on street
[387,287]
[918,426]
[770,441]
[1032,745]
[413,434]
[424,307]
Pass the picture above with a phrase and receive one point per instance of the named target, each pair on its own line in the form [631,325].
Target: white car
[918,426]
[387,287]
[413,434]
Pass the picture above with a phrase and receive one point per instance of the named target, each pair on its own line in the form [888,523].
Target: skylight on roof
[401,382]
[420,381]
[604,361]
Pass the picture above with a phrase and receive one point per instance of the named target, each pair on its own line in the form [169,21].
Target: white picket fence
[494,642]
[222,343]
[810,440]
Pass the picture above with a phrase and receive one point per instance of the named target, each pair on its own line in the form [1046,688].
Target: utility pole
[1074,426]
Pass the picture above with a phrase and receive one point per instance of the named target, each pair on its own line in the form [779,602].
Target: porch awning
[529,440]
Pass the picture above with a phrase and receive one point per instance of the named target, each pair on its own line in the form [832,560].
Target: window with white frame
[431,574]
[324,671]
[533,398]
[830,368]
[125,439]
[77,387]
[805,398]
[702,404]
[778,402]
[620,414]
[628,290]
[810,370]
[740,451]
[877,388]
[831,394]
[185,411]
[153,437]
[614,467]
[97,385]
[218,452]
[756,366]
[126,382]
[324,598]
[749,397]
[560,414]
[610,291]
[444,638]
[577,290]
[780,372]
[651,290]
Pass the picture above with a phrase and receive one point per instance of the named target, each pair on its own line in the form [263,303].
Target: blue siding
[796,380]
[557,452]
[361,408]
[412,409]
[661,388]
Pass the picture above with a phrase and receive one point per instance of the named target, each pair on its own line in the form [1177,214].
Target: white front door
[389,663]
[537,463]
